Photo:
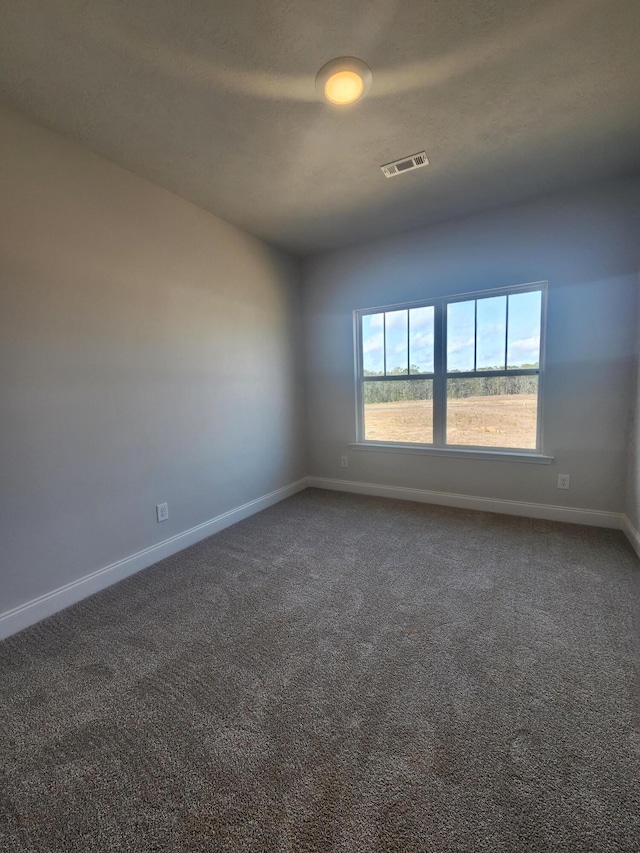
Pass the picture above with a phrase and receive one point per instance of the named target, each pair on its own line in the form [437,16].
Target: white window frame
[440,376]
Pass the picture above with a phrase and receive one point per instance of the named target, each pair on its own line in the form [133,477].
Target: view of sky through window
[488,367]
[521,322]
[396,334]
[490,336]
[399,329]
[421,339]
[523,339]
[460,335]
[373,344]
[480,331]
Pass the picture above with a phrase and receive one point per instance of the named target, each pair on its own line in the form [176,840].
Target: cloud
[422,340]
[525,345]
[396,320]
[373,343]
[421,318]
[459,345]
[488,329]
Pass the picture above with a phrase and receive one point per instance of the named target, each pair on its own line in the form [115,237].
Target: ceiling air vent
[405,165]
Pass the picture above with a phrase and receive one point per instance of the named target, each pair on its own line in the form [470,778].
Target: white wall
[632,507]
[149,352]
[585,244]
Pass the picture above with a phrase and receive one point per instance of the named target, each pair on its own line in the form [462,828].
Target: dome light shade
[343,87]
[344,80]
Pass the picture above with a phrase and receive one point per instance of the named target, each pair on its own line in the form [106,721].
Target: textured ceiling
[216,101]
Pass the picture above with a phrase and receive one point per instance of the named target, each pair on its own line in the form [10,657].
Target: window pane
[399,411]
[491,333]
[460,335]
[372,345]
[498,411]
[397,352]
[421,339]
[523,343]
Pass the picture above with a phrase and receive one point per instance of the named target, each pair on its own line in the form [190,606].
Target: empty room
[320,426]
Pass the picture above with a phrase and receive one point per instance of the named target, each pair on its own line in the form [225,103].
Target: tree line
[416,389]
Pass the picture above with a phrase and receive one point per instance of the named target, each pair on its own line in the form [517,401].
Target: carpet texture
[337,673]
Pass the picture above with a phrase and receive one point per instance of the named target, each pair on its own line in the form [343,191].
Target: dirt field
[496,421]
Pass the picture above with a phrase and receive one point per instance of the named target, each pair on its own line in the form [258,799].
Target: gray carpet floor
[337,673]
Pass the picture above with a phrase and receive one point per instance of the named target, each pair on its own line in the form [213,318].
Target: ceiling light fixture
[344,80]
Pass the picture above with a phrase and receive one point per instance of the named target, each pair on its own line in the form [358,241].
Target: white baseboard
[45,605]
[632,534]
[549,512]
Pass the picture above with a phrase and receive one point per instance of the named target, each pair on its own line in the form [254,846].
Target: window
[460,372]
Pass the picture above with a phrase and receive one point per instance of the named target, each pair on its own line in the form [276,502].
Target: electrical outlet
[162,512]
[344,461]
[563,481]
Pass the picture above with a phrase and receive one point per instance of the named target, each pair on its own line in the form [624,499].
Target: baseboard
[632,534]
[52,602]
[549,512]
[45,605]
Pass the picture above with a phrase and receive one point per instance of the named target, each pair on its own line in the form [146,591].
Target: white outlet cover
[162,512]
[563,481]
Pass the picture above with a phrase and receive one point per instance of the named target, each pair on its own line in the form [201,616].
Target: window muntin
[477,359]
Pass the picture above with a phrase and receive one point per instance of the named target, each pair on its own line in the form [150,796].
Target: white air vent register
[390,170]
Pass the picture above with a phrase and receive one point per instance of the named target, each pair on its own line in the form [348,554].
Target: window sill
[456,452]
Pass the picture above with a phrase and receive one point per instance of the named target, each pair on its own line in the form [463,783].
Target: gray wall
[632,508]
[149,352]
[585,244]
